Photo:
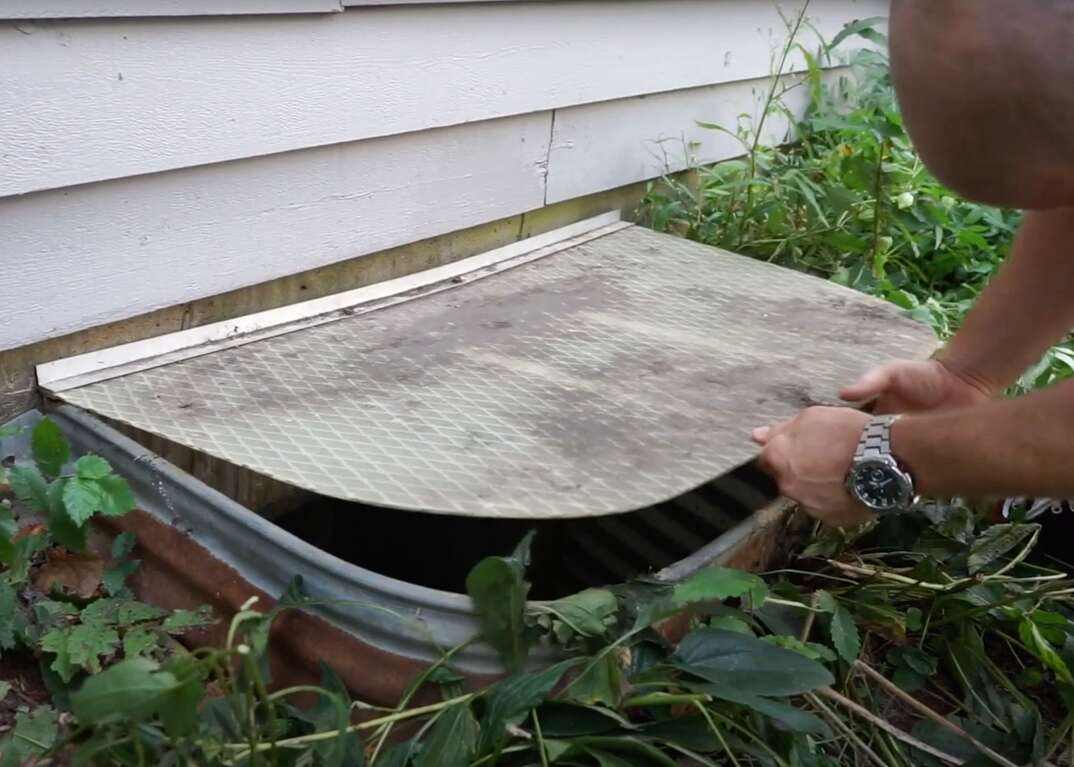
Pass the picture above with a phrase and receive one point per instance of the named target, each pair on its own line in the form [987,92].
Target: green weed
[847,199]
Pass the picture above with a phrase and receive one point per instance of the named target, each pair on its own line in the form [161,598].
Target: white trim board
[93,367]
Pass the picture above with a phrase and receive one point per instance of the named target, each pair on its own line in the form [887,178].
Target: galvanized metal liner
[393,615]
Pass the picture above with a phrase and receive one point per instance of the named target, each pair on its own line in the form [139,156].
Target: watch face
[878,485]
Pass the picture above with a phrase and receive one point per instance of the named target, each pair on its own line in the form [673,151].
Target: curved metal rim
[267,556]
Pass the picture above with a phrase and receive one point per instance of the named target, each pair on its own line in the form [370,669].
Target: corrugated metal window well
[598,383]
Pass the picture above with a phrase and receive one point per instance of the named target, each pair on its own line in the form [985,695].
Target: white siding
[604,146]
[87,101]
[83,256]
[237,150]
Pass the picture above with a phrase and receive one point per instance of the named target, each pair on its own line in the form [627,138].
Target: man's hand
[907,386]
[809,457]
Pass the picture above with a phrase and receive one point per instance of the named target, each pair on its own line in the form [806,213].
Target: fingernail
[761,433]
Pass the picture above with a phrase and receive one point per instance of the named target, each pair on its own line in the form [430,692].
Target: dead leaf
[29,530]
[76,574]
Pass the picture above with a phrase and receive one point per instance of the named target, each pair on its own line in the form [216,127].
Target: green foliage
[33,736]
[849,200]
[747,664]
[67,500]
[498,588]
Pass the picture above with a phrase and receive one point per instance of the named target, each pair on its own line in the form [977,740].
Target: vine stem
[300,740]
[894,577]
[814,603]
[892,689]
[841,726]
[759,130]
[719,735]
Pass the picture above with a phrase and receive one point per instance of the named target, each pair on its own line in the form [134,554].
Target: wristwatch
[877,479]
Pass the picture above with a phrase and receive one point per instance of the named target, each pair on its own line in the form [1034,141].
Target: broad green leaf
[589,613]
[92,467]
[55,642]
[178,709]
[452,740]
[50,448]
[996,541]
[720,583]
[709,585]
[510,701]
[132,688]
[34,733]
[844,630]
[87,644]
[753,666]
[567,720]
[602,682]
[60,525]
[82,498]
[498,589]
[1031,637]
[788,717]
[25,549]
[138,642]
[692,732]
[29,486]
[116,496]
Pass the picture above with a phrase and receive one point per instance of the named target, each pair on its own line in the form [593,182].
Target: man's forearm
[1022,446]
[1025,309]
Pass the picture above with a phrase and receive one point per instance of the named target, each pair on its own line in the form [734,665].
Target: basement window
[598,384]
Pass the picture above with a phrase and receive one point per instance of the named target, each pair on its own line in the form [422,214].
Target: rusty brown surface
[178,573]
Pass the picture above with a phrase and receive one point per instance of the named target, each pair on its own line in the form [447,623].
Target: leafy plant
[911,642]
[66,494]
[847,198]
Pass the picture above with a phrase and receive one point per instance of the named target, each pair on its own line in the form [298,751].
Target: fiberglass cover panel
[607,377]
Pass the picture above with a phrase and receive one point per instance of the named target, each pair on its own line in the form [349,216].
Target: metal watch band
[875,439]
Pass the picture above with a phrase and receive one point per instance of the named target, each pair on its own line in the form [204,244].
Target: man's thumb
[872,384]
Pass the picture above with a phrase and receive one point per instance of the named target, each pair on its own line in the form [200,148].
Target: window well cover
[605,377]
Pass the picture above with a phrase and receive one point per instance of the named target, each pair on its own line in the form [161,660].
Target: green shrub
[847,198]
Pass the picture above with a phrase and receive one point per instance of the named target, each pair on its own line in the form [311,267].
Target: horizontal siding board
[86,101]
[93,254]
[94,9]
[611,144]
